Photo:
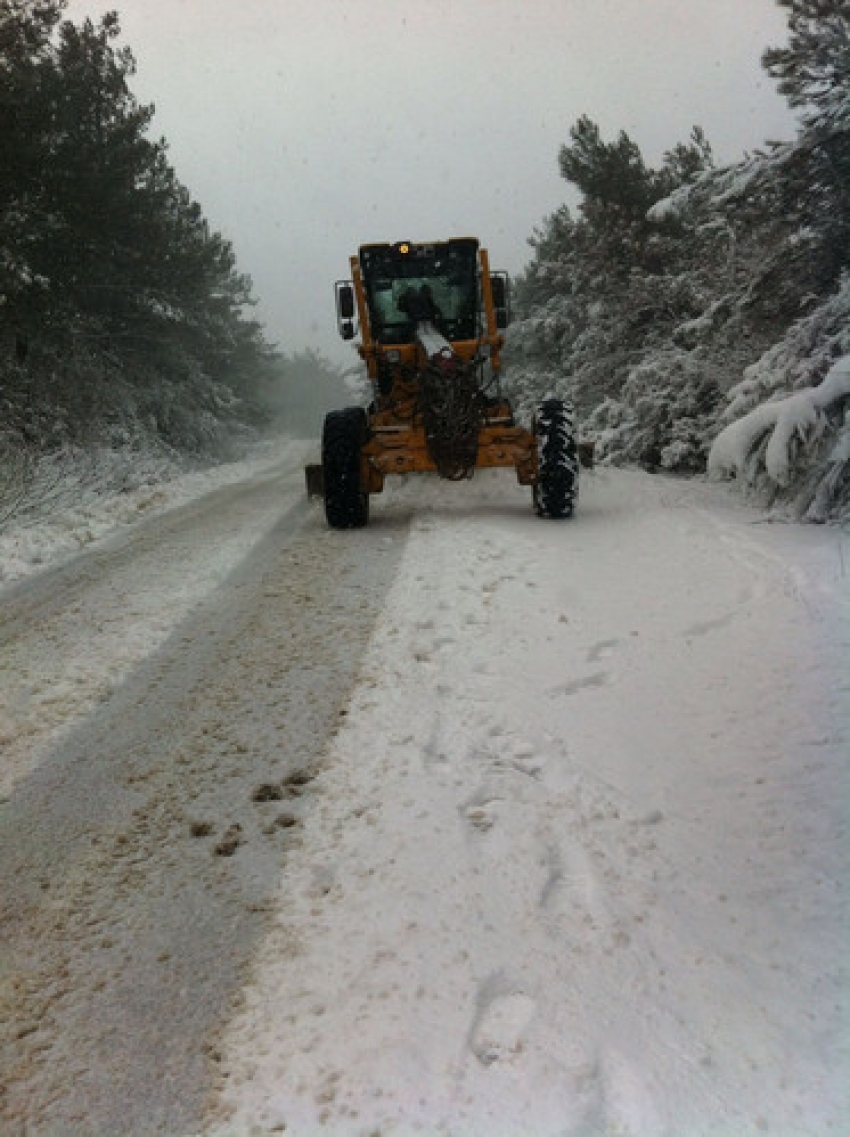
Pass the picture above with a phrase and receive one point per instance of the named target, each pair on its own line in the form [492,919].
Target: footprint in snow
[601,650]
[497,1036]
[598,679]
[480,818]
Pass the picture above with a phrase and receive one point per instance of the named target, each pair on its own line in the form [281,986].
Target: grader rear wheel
[557,457]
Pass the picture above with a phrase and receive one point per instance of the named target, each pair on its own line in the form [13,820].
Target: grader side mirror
[345,301]
[499,292]
[345,313]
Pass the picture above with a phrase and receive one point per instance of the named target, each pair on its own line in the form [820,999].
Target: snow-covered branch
[800,417]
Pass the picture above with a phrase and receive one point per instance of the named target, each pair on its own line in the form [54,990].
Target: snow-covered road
[532,827]
[71,635]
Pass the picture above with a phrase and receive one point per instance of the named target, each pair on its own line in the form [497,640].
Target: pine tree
[602,287]
[815,64]
[26,58]
[731,288]
[121,301]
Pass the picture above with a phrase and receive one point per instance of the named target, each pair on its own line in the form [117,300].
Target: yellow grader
[430,318]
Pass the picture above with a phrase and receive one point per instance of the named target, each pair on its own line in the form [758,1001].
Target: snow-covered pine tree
[813,68]
[787,429]
[728,295]
[606,285]
[125,313]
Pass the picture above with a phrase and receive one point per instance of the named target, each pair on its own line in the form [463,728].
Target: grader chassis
[431,318]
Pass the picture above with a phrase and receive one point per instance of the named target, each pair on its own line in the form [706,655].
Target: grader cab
[430,318]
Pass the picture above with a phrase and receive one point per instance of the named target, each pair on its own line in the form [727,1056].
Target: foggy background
[307,127]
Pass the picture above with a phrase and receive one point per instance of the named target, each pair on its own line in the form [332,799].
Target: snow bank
[88,500]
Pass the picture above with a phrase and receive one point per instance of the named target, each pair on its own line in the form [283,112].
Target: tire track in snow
[69,635]
[141,858]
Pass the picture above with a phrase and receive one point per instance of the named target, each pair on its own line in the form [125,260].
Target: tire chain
[452,406]
[559,466]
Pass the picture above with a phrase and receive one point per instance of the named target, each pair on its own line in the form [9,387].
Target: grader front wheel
[346,503]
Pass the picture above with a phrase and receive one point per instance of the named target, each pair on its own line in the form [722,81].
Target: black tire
[557,460]
[346,503]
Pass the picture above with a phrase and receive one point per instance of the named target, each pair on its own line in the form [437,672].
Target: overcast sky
[307,127]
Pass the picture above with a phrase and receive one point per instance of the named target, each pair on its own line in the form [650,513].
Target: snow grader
[430,318]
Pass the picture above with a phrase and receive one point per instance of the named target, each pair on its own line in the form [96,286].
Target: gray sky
[307,127]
